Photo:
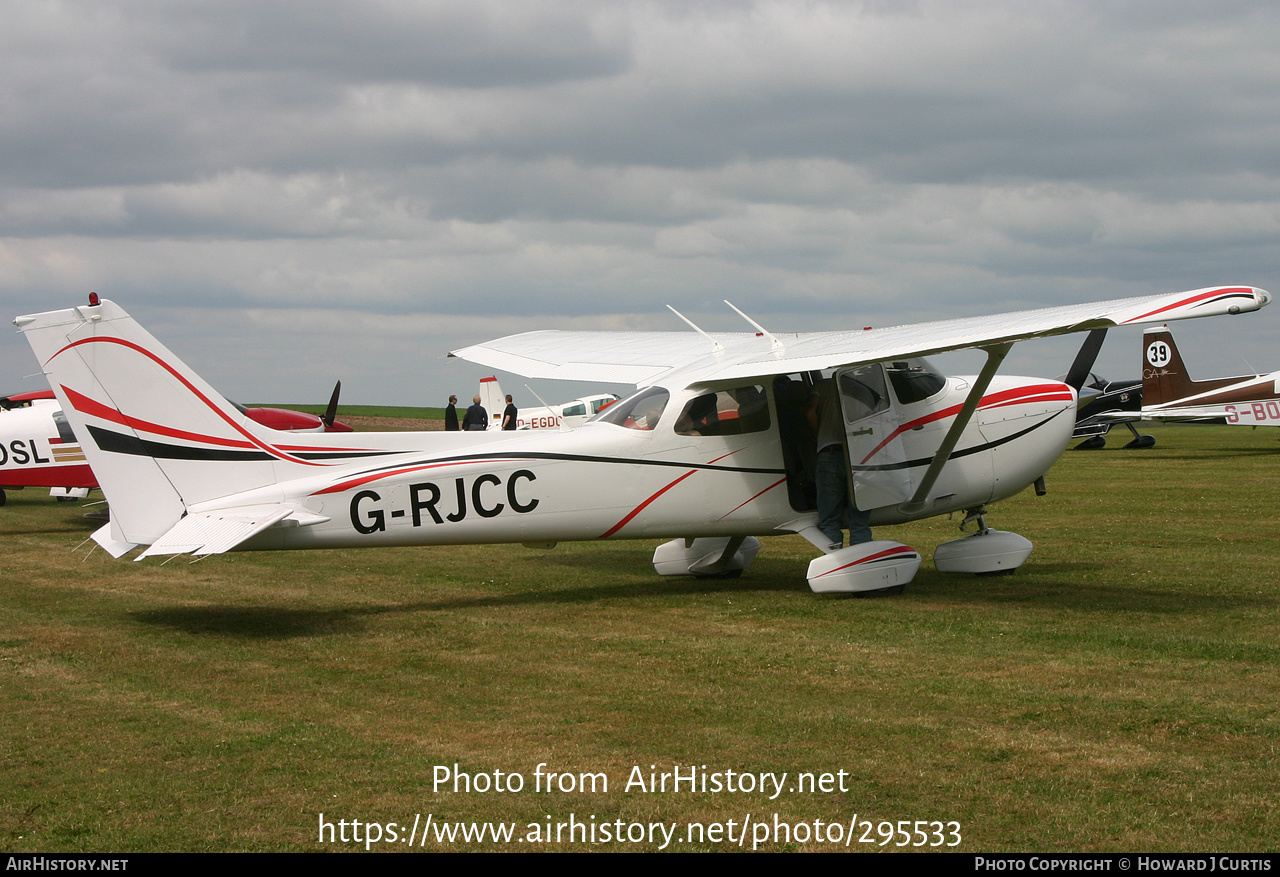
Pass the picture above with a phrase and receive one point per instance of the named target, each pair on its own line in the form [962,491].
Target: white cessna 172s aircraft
[705,453]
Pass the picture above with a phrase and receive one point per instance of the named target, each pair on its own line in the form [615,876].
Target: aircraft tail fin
[1164,376]
[493,400]
[157,436]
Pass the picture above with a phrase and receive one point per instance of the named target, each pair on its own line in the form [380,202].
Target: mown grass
[1118,693]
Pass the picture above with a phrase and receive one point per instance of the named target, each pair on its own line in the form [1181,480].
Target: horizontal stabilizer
[110,544]
[217,532]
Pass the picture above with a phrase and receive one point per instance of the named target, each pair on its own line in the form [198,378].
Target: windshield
[640,410]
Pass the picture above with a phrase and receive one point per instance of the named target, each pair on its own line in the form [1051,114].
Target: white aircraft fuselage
[717,447]
[606,481]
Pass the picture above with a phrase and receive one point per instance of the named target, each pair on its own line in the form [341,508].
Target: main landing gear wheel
[1093,443]
[1140,442]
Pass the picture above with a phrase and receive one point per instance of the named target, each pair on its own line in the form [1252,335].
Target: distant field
[1118,693]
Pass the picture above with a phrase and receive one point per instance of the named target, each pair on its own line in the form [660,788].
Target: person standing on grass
[476,417]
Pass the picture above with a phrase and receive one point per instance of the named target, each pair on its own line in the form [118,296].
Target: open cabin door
[878,474]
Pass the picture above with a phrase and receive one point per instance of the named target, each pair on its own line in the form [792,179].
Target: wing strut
[995,356]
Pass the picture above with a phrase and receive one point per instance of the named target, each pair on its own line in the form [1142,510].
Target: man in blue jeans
[835,511]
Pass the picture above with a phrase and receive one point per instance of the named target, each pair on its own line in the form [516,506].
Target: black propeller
[1079,372]
[331,413]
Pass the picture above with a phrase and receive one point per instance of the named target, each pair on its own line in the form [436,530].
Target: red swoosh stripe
[1213,293]
[1017,396]
[888,552]
[252,440]
[378,476]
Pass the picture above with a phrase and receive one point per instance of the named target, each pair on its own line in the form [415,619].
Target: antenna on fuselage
[776,344]
[715,345]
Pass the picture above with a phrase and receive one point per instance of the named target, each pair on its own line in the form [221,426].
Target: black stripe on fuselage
[925,461]
[119,443]
[572,458]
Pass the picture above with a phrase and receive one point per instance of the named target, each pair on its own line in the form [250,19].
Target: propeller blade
[331,413]
[1080,369]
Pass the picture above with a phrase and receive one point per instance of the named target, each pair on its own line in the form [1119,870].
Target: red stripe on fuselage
[1015,396]
[757,496]
[77,475]
[638,509]
[378,476]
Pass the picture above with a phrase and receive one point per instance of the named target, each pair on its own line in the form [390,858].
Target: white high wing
[705,453]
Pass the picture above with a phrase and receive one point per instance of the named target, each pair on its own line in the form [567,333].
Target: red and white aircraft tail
[493,401]
[149,425]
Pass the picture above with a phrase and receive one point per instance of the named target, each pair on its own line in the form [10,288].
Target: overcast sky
[291,193]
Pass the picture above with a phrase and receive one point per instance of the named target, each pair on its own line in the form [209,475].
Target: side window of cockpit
[863,392]
[914,379]
[573,411]
[728,412]
[640,410]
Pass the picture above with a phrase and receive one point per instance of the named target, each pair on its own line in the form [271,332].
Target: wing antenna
[536,396]
[773,341]
[715,345]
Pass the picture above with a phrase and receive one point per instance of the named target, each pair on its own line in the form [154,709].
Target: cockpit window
[640,410]
[728,412]
[864,392]
[914,379]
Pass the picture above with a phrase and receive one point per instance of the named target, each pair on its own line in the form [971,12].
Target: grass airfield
[1118,693]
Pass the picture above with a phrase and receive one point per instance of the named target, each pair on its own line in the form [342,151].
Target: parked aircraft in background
[1103,403]
[1169,393]
[39,449]
[564,416]
[710,452]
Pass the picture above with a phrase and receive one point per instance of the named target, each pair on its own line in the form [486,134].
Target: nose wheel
[982,551]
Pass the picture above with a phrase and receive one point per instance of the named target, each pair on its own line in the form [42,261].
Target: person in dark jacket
[476,417]
[509,415]
[451,415]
